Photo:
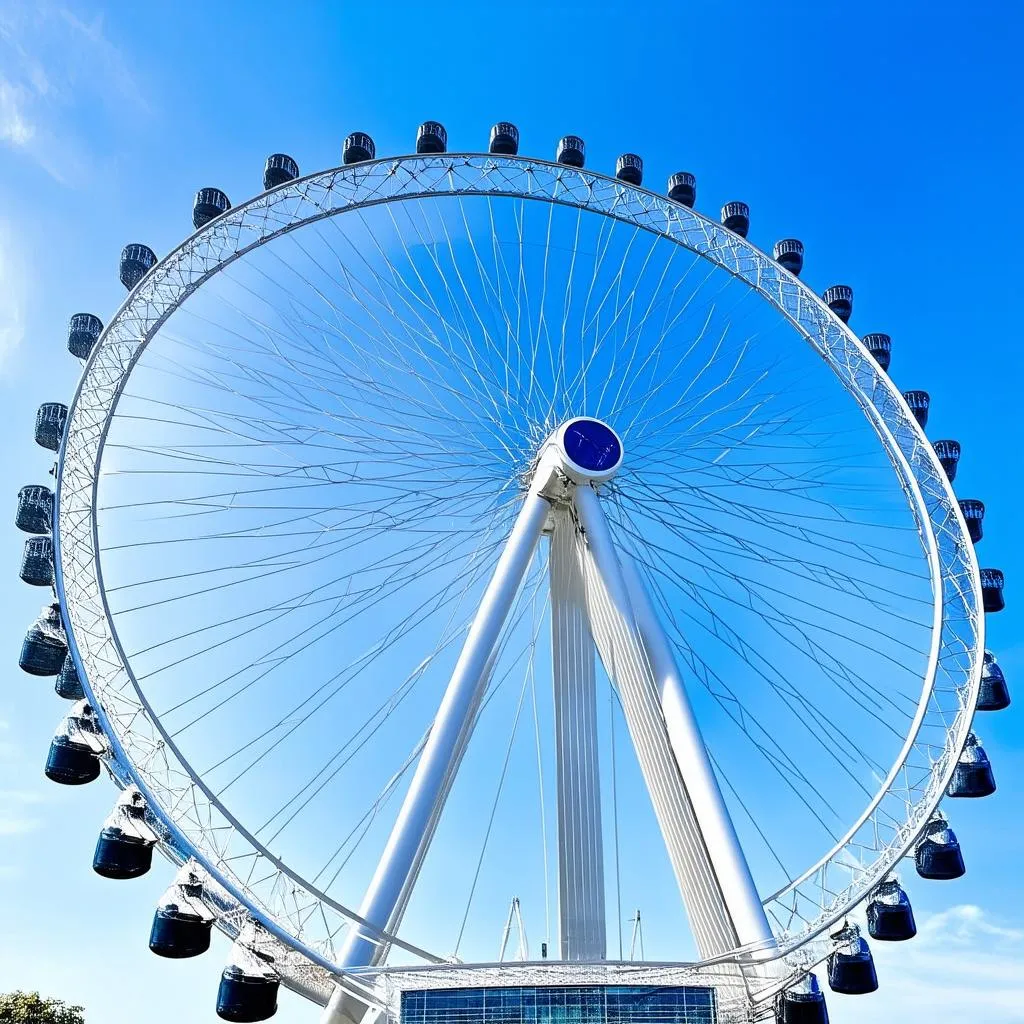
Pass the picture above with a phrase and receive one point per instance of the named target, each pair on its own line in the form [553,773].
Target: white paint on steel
[414,827]
[626,661]
[581,907]
[716,827]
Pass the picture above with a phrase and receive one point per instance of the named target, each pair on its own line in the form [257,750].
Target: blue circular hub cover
[592,445]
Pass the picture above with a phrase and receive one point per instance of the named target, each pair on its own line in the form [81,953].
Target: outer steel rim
[284,903]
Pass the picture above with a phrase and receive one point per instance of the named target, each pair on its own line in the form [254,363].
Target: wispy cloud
[16,816]
[56,72]
[13,290]
[964,964]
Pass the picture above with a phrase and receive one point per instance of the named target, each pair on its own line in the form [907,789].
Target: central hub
[590,451]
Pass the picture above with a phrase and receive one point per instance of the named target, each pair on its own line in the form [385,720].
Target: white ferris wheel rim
[200,827]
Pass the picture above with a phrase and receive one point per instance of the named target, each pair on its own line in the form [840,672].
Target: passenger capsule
[938,855]
[125,845]
[993,694]
[630,169]
[178,934]
[35,509]
[209,203]
[839,298]
[682,187]
[789,254]
[949,455]
[279,168]
[736,217]
[84,330]
[880,347]
[571,151]
[136,262]
[72,760]
[68,685]
[51,419]
[45,647]
[120,855]
[974,513]
[890,916]
[431,137]
[992,590]
[246,995]
[71,763]
[851,968]
[37,562]
[358,147]
[802,1003]
[919,402]
[182,922]
[972,776]
[504,139]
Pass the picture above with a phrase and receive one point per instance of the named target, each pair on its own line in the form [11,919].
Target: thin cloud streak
[964,964]
[56,65]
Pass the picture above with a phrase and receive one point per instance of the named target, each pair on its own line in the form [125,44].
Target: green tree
[31,1008]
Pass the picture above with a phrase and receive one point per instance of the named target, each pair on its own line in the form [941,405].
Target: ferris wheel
[449,525]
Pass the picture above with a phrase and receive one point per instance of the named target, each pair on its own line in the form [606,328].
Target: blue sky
[884,139]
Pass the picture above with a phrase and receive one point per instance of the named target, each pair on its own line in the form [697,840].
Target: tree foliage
[32,1008]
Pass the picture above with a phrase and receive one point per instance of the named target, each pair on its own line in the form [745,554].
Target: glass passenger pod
[682,188]
[37,562]
[630,169]
[992,590]
[851,968]
[357,148]
[736,218]
[137,261]
[571,151]
[182,922]
[938,855]
[84,330]
[839,298]
[949,455]
[994,693]
[35,509]
[209,203]
[504,139]
[802,1003]
[73,758]
[278,169]
[45,647]
[973,776]
[68,685]
[919,403]
[880,347]
[974,512]
[125,845]
[248,985]
[51,418]
[890,916]
[431,137]
[789,254]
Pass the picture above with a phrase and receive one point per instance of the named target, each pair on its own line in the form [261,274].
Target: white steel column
[410,837]
[581,906]
[723,845]
[720,897]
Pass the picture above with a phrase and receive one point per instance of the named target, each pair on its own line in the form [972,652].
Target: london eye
[460,522]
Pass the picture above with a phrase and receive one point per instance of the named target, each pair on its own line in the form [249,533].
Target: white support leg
[581,905]
[723,846]
[414,827]
[721,899]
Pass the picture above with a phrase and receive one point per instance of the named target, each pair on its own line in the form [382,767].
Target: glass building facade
[584,1004]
